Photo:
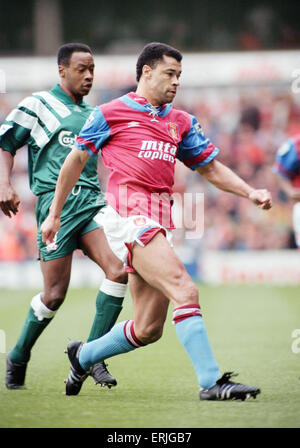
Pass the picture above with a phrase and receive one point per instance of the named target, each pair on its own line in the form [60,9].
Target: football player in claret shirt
[48,122]
[140,135]
[287,166]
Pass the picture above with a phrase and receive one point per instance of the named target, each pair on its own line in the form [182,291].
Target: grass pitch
[250,329]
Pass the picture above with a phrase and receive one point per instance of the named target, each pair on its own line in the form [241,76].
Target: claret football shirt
[140,144]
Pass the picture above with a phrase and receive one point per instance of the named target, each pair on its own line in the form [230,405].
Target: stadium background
[240,78]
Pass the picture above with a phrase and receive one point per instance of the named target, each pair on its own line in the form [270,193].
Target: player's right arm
[14,134]
[68,176]
[9,199]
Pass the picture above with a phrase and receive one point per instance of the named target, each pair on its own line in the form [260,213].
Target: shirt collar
[61,94]
[142,101]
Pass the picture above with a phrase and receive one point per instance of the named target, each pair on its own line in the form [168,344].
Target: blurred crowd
[248,125]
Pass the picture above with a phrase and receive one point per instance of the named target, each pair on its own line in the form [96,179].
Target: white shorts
[123,232]
[296,223]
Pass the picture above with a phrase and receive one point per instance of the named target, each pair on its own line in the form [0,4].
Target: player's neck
[140,91]
[75,97]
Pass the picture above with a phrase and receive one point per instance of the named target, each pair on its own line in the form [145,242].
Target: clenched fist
[261,198]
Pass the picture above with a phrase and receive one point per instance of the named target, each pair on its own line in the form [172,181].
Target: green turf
[250,329]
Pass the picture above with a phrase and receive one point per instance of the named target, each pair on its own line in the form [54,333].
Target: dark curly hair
[65,52]
[153,53]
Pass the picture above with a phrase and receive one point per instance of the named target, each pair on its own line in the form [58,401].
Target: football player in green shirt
[47,122]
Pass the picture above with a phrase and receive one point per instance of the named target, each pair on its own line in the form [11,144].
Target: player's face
[77,77]
[163,81]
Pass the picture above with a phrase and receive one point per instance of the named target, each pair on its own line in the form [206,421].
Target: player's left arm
[198,153]
[225,179]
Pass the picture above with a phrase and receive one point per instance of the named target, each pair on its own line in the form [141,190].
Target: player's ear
[62,71]
[147,71]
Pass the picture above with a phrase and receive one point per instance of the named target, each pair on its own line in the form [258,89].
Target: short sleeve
[94,133]
[195,149]
[15,130]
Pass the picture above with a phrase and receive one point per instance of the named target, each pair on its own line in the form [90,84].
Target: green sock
[108,308]
[30,332]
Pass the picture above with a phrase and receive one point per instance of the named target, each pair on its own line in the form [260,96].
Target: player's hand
[261,198]
[9,200]
[49,229]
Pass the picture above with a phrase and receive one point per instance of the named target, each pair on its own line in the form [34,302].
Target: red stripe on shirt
[87,143]
[201,157]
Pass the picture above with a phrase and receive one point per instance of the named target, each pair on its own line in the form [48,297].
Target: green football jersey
[48,122]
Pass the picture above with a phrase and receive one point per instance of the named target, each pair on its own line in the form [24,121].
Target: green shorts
[77,218]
